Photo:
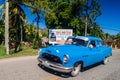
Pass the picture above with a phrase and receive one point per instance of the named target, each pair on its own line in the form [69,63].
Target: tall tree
[117,36]
[72,14]
[96,31]
[17,19]
[77,7]
[2,30]
[38,7]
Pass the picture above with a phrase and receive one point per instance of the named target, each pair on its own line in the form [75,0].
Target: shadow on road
[63,75]
[67,75]
[91,66]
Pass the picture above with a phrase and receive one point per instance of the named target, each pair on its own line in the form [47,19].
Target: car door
[94,52]
[100,48]
[91,55]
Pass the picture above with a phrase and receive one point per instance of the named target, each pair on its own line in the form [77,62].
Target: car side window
[92,44]
[99,43]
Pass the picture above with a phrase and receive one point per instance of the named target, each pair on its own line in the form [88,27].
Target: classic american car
[71,58]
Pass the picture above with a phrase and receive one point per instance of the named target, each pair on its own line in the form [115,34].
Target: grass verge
[26,51]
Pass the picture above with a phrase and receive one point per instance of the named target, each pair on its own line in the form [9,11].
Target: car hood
[60,50]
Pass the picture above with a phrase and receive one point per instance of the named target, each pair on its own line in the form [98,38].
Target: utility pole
[87,15]
[86,26]
[7,27]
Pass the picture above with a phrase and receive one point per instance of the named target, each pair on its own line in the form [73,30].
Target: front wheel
[105,61]
[76,69]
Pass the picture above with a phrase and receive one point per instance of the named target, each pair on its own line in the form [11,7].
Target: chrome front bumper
[55,66]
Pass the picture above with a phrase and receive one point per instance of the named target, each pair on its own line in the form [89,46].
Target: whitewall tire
[105,61]
[76,70]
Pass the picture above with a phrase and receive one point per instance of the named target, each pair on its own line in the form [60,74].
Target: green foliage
[72,15]
[1,31]
[118,36]
[30,36]
[107,36]
[51,20]
[44,32]
[29,33]
[2,50]
[59,17]
[27,51]
[65,14]
[96,31]
[75,25]
[38,6]
[17,20]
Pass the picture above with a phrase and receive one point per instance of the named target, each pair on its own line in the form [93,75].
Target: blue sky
[109,20]
[31,18]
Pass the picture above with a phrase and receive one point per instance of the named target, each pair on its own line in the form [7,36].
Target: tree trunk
[21,32]
[7,26]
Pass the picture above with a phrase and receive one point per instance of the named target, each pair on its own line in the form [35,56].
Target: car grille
[51,58]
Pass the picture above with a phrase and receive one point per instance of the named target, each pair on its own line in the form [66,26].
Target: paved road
[26,68]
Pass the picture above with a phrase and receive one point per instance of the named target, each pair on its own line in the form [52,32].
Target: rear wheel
[76,69]
[105,61]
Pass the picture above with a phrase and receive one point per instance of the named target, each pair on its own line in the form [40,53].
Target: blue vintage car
[70,58]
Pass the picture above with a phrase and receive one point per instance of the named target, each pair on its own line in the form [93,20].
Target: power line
[109,28]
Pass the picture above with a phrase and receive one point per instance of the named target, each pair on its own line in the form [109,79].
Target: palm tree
[37,7]
[1,26]
[16,19]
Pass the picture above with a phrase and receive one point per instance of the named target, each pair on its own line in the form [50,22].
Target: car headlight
[66,58]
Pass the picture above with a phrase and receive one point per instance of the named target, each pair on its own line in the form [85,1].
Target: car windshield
[75,41]
[69,40]
[80,42]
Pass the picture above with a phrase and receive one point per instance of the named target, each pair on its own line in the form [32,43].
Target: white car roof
[82,37]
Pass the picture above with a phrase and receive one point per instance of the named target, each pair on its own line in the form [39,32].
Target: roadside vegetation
[58,14]
[26,51]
